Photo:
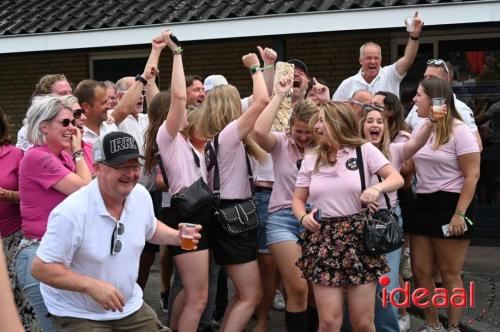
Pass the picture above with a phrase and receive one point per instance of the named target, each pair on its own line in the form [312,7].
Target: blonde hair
[438,88]
[343,130]
[222,105]
[386,138]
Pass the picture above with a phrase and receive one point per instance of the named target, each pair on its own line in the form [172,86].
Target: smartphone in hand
[175,40]
[446,230]
[317,215]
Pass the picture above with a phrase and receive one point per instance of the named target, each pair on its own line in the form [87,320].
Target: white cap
[214,81]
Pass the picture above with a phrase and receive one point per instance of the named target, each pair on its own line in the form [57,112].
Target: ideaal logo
[422,297]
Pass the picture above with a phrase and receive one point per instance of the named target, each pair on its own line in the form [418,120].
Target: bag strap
[361,169]
[162,169]
[216,190]
[387,201]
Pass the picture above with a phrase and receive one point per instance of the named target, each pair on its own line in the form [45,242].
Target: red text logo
[422,297]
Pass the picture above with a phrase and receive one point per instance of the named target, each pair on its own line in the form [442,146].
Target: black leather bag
[241,217]
[191,199]
[382,233]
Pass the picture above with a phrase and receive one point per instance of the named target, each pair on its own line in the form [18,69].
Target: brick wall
[332,56]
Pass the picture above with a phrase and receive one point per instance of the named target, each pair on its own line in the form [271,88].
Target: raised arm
[260,98]
[416,142]
[177,114]
[74,181]
[403,64]
[157,45]
[262,128]
[269,57]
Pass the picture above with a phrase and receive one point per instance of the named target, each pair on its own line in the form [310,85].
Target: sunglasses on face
[116,238]
[367,107]
[78,113]
[66,122]
[438,63]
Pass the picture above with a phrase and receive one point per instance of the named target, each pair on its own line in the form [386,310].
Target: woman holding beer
[447,170]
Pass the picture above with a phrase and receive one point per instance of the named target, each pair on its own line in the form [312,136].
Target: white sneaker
[404,323]
[427,328]
[278,302]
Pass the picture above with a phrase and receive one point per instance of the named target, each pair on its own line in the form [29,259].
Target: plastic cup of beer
[187,235]
[437,105]
[410,23]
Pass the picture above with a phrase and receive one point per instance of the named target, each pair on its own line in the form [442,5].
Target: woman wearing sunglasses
[333,258]
[376,129]
[287,149]
[47,175]
[447,169]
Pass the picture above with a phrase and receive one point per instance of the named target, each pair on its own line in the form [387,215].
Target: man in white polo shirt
[372,77]
[89,257]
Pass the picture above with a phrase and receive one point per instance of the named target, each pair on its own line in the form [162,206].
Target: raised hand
[250,60]
[319,92]
[150,71]
[159,42]
[283,86]
[418,24]
[268,55]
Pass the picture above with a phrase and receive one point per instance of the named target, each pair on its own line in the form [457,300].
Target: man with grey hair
[372,76]
[359,100]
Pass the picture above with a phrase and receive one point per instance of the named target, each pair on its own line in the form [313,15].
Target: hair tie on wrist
[414,38]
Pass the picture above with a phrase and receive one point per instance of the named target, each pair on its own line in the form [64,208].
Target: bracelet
[414,38]
[177,50]
[302,218]
[269,66]
[433,121]
[255,69]
[77,152]
[462,214]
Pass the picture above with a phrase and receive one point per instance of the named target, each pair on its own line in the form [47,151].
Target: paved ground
[482,267]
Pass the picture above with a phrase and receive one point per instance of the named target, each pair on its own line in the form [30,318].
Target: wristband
[177,50]
[269,66]
[414,38]
[461,214]
[77,158]
[433,121]
[302,218]
[141,79]
[255,69]
[77,152]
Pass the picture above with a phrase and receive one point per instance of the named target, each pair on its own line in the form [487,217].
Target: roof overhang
[341,20]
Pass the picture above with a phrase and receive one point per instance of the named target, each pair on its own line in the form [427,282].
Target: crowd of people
[96,187]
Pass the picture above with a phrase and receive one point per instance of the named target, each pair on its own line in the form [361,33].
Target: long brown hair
[396,122]
[437,88]
[221,106]
[157,114]
[342,128]
[4,129]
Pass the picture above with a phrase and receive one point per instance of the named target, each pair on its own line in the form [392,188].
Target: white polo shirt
[89,136]
[465,112]
[22,139]
[388,79]
[79,233]
[135,127]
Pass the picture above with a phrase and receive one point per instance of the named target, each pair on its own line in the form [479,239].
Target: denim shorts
[262,197]
[282,226]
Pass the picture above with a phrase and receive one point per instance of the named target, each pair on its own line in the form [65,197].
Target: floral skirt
[334,255]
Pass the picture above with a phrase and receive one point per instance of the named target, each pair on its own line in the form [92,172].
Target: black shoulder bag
[240,217]
[191,199]
[382,233]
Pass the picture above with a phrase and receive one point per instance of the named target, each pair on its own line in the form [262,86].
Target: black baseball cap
[115,148]
[300,64]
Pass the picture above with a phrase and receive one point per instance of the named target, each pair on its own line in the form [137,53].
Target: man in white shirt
[93,98]
[89,257]
[372,77]
[437,68]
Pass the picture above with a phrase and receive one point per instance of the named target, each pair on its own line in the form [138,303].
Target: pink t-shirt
[87,154]
[234,183]
[336,189]
[396,150]
[438,170]
[285,156]
[40,170]
[10,217]
[178,161]
[402,136]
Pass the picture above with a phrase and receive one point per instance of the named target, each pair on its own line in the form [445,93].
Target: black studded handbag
[240,217]
[382,233]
